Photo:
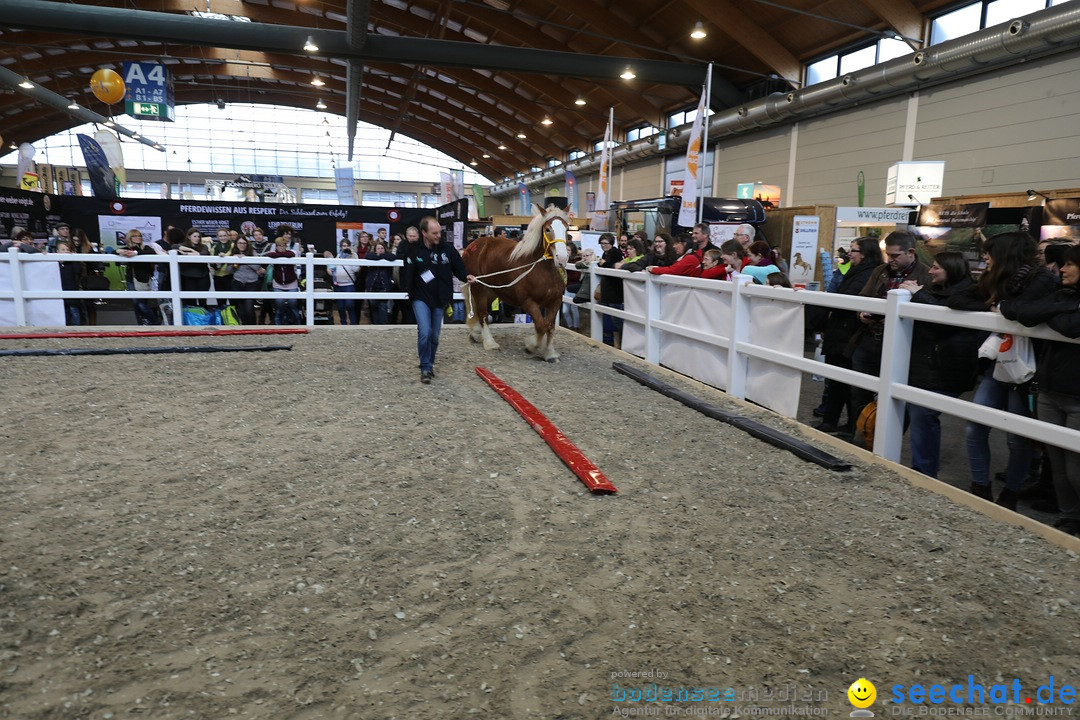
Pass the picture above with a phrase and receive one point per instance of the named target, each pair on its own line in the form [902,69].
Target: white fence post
[895,361]
[174,289]
[596,328]
[740,332]
[17,287]
[309,287]
[652,310]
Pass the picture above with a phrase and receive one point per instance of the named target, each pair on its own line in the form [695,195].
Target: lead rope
[465,289]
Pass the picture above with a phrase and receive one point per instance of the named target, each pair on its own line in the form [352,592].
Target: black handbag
[96,282]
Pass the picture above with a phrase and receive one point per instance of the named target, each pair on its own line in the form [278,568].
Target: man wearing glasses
[745,235]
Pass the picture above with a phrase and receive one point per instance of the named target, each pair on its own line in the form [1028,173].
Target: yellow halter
[549,241]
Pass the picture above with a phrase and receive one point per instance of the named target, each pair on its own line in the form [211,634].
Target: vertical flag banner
[599,215]
[478,197]
[111,145]
[457,178]
[344,184]
[447,187]
[571,193]
[523,193]
[26,161]
[688,210]
[102,178]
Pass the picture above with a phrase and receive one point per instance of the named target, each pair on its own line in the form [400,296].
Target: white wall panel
[1014,130]
[759,157]
[833,149]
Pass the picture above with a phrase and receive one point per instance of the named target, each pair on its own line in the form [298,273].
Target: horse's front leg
[540,343]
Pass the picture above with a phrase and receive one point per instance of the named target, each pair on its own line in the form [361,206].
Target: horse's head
[556,226]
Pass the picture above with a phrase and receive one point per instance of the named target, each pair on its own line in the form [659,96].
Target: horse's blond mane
[532,243]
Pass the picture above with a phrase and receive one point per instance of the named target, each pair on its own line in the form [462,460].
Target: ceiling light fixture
[521,136]
[580,101]
[546,121]
[474,163]
[13,146]
[699,31]
[1032,194]
[72,105]
[628,74]
[26,83]
[317,81]
[310,45]
[320,105]
[502,147]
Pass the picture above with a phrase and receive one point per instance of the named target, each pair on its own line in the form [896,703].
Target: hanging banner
[523,195]
[1061,220]
[478,198]
[804,249]
[688,209]
[598,219]
[571,193]
[111,145]
[343,183]
[1063,211]
[149,91]
[457,180]
[102,178]
[955,216]
[26,161]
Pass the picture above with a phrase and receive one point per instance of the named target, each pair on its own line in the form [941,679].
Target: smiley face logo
[862,693]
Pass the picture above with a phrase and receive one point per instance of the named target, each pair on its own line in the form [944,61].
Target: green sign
[745,191]
[146,110]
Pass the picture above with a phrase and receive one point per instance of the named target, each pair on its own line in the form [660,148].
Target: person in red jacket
[688,264]
[713,266]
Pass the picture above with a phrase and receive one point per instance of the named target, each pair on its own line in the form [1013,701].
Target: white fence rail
[308,294]
[891,386]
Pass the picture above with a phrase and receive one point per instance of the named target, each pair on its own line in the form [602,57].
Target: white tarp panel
[776,325]
[633,334]
[36,276]
[703,310]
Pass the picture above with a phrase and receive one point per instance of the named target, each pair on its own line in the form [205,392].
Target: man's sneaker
[425,376]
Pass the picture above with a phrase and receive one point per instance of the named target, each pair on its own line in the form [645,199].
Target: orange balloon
[107,86]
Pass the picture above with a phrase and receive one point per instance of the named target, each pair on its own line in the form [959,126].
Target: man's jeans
[428,326]
[287,312]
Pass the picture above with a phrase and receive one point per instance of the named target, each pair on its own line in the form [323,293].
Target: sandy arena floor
[315,534]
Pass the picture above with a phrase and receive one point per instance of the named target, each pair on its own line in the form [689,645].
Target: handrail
[890,385]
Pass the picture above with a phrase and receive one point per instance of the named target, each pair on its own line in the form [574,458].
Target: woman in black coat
[943,358]
[838,328]
[1059,382]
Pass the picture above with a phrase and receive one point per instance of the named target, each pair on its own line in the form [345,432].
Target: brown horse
[526,274]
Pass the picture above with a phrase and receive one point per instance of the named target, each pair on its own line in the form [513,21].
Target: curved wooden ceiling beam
[747,33]
[539,86]
[900,15]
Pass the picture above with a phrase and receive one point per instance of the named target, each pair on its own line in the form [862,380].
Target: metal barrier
[891,386]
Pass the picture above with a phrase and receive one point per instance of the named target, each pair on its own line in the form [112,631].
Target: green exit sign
[147,110]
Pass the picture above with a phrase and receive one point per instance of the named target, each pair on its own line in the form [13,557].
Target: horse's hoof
[492,346]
